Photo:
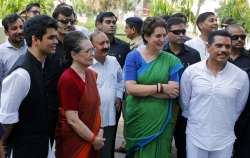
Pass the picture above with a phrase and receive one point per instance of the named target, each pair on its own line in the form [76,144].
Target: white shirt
[8,56]
[212,104]
[200,45]
[15,88]
[110,85]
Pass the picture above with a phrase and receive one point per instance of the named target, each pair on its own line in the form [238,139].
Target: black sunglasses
[178,32]
[66,21]
[236,37]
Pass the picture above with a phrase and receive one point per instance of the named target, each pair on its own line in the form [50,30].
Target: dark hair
[174,21]
[37,26]
[100,17]
[149,25]
[181,15]
[71,42]
[165,17]
[213,34]
[29,6]
[135,22]
[10,19]
[64,9]
[202,17]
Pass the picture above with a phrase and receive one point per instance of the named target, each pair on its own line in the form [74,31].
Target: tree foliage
[237,9]
[169,7]
[16,6]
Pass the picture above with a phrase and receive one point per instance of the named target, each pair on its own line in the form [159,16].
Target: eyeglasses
[236,37]
[36,12]
[90,51]
[110,21]
[178,32]
[67,21]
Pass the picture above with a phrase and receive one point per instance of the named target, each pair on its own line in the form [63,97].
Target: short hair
[100,17]
[37,26]
[10,19]
[174,21]
[71,42]
[228,21]
[29,6]
[213,34]
[135,22]
[165,17]
[181,15]
[149,25]
[95,33]
[64,9]
[234,26]
[202,17]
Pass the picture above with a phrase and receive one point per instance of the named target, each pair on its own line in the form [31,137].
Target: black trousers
[109,145]
[241,149]
[53,121]
[29,147]
[180,136]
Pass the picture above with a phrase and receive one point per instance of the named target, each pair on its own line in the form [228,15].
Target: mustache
[105,50]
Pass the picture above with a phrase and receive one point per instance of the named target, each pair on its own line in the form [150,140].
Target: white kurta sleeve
[243,95]
[185,92]
[120,81]
[15,87]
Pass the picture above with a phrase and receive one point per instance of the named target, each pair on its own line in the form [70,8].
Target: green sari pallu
[148,120]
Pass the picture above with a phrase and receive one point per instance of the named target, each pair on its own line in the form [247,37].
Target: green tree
[16,6]
[169,7]
[237,9]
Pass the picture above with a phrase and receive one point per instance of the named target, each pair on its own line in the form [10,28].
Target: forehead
[222,40]
[100,37]
[159,30]
[210,18]
[34,8]
[61,16]
[85,44]
[178,26]
[236,30]
[51,32]
[17,22]
[109,18]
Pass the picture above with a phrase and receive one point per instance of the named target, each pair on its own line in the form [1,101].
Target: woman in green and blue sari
[151,82]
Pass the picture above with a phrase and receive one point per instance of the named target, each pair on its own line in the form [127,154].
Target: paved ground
[119,139]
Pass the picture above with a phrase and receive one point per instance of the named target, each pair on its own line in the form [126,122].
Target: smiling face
[15,32]
[48,42]
[220,49]
[156,39]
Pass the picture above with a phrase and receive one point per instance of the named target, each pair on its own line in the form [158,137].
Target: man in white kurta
[213,94]
[110,86]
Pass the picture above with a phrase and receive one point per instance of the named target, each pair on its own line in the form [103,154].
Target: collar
[167,48]
[9,45]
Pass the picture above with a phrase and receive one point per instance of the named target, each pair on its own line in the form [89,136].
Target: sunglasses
[67,21]
[36,12]
[236,37]
[178,32]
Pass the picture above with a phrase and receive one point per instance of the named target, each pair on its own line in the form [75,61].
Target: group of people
[65,87]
